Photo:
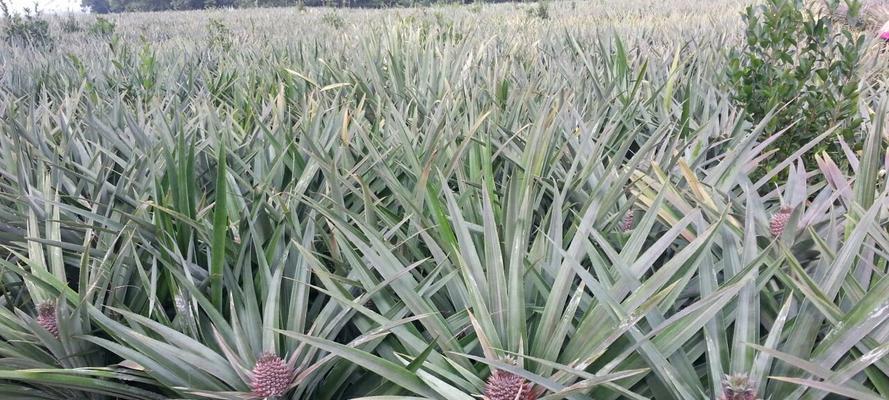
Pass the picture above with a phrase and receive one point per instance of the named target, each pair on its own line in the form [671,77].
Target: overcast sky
[46,5]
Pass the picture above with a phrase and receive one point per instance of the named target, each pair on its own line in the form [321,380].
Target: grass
[401,202]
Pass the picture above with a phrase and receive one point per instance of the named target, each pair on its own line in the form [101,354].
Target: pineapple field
[587,200]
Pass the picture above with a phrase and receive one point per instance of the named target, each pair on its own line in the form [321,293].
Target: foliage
[333,19]
[798,62]
[221,36]
[106,6]
[431,205]
[540,10]
[27,29]
[102,27]
[71,25]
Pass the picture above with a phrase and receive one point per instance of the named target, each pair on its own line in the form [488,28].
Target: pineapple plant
[397,210]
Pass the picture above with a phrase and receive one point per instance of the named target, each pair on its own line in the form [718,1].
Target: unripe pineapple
[271,376]
[181,303]
[779,221]
[504,385]
[737,387]
[46,317]
[628,221]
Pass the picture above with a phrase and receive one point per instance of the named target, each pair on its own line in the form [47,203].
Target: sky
[48,6]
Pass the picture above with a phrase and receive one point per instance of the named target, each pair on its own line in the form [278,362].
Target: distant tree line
[112,6]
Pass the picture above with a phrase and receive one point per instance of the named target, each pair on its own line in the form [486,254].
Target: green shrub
[221,36]
[803,64]
[28,29]
[70,25]
[102,27]
[541,10]
[333,19]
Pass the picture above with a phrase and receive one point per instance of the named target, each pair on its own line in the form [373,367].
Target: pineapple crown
[738,387]
[271,376]
[46,309]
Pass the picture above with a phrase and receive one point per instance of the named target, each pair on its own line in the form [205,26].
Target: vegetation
[221,36]
[540,11]
[102,27]
[440,203]
[70,25]
[27,29]
[804,65]
[106,6]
